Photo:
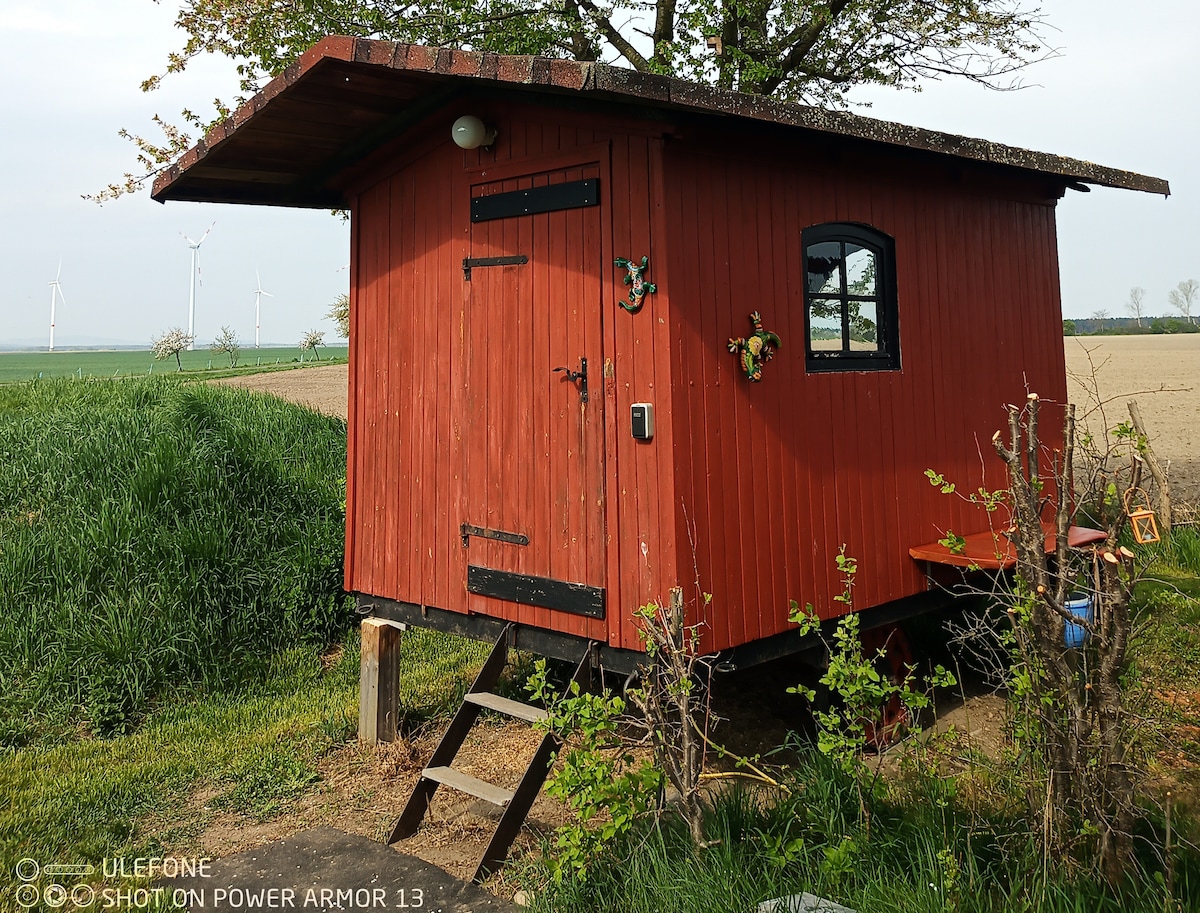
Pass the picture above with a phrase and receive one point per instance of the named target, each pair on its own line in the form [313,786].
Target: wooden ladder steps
[515,804]
[472,786]
[515,709]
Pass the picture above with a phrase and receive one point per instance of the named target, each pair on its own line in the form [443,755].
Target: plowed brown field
[1161,372]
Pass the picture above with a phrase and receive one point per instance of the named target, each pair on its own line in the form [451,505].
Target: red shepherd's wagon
[532,441]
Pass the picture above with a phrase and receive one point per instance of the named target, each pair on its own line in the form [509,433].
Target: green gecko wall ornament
[756,351]
[633,277]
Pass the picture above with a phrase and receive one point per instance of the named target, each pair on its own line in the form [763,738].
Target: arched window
[850,318]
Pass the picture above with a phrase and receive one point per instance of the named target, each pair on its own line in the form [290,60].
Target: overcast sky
[1124,92]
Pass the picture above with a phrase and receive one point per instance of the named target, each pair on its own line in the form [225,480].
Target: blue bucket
[1079,605]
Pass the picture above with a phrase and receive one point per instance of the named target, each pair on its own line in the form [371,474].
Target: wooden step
[472,786]
[515,804]
[515,709]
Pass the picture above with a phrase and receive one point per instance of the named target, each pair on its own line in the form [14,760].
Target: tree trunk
[1089,786]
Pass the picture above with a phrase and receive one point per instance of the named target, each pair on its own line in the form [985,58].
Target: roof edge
[605,81]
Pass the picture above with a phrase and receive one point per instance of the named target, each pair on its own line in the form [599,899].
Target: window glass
[824,268]
[860,271]
[825,325]
[851,316]
[864,326]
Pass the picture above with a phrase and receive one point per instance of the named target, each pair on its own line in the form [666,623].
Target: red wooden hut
[529,442]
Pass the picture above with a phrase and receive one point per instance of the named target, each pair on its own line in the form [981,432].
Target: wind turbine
[195,246]
[258,293]
[55,295]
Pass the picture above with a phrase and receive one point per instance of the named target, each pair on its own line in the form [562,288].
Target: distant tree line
[1126,326]
[1184,298]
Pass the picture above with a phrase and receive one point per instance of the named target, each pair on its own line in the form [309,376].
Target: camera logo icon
[27,895]
[56,895]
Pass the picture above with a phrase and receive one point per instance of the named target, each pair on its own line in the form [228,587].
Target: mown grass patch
[255,748]
[252,751]
[436,671]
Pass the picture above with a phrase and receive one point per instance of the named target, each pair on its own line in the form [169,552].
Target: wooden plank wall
[410,234]
[773,477]
[400,484]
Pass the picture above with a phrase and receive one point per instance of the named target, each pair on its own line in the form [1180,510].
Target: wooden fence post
[379,681]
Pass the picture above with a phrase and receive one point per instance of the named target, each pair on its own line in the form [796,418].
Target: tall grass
[924,850]
[1180,550]
[154,533]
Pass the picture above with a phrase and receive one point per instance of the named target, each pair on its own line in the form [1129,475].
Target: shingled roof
[345,97]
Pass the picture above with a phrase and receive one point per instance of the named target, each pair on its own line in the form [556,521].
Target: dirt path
[362,791]
[321,388]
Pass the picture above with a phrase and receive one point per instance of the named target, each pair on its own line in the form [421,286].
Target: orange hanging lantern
[1141,517]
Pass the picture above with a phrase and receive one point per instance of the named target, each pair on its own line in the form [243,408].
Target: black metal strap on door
[467,531]
[543,592]
[551,198]
[470,263]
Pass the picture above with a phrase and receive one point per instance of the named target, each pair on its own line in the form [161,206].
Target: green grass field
[176,651]
[22,366]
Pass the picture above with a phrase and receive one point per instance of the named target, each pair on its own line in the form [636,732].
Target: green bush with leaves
[861,691]
[597,775]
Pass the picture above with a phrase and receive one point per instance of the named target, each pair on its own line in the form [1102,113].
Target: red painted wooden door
[533,446]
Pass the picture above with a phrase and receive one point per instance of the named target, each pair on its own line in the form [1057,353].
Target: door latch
[579,377]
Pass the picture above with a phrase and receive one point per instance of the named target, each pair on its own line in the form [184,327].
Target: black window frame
[883,246]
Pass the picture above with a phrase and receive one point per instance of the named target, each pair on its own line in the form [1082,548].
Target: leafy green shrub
[845,730]
[155,533]
[597,775]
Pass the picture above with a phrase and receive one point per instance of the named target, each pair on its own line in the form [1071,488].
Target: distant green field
[20,366]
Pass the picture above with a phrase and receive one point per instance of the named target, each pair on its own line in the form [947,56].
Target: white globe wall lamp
[469,132]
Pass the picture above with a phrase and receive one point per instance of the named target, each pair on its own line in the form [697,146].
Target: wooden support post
[1156,470]
[379,681]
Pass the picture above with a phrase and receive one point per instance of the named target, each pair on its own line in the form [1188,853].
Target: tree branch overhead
[808,52]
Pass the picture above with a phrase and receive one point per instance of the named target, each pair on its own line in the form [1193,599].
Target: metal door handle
[579,376]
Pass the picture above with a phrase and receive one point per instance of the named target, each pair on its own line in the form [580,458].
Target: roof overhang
[346,97]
